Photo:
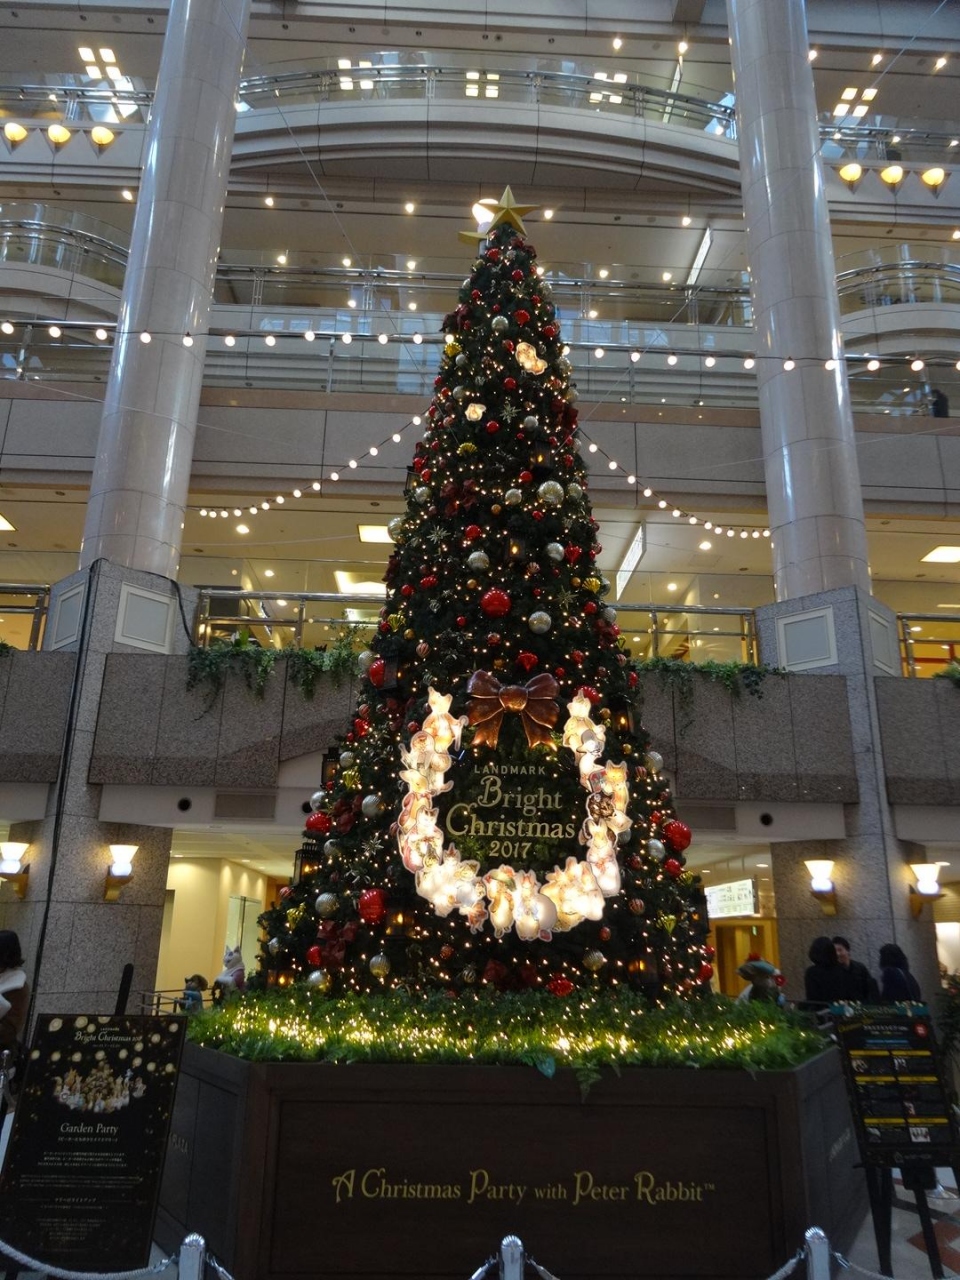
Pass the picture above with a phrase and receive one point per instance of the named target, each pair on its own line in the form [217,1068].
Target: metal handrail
[909,639]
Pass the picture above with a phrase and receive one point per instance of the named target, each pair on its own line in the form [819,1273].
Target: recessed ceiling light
[347,262]
[409,207]
[667,275]
[6,526]
[411,264]
[617,42]
[812,54]
[242,528]
[268,573]
[671,586]
[127,193]
[603,273]
[848,94]
[268,201]
[939,64]
[876,60]
[943,554]
[374,533]
[548,214]
[86,54]
[107,55]
[706,545]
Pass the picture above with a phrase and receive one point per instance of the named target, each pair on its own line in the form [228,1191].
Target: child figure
[192,999]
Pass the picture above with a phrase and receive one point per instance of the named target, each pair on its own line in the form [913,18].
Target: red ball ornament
[549,331]
[314,956]
[559,672]
[476,295]
[372,905]
[493,254]
[426,473]
[319,822]
[405,590]
[509,384]
[673,868]
[461,621]
[537,515]
[590,607]
[521,316]
[577,656]
[376,672]
[516,274]
[418,464]
[604,933]
[677,835]
[567,459]
[509,346]
[633,679]
[428,582]
[590,693]
[559,985]
[494,640]
[285,892]
[709,952]
[495,603]
[361,728]
[472,532]
[527,660]
[526,477]
[706,972]
[412,727]
[493,427]
[571,553]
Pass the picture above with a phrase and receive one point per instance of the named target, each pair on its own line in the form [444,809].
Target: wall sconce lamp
[934,179]
[14,133]
[927,888]
[892,175]
[58,136]
[121,870]
[851,174]
[11,868]
[821,884]
[101,137]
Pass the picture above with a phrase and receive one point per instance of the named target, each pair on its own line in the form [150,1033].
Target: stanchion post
[817,1254]
[192,1260]
[511,1259]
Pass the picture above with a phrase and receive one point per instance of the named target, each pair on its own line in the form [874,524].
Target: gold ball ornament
[575,582]
[409,634]
[472,584]
[380,966]
[496,508]
[325,905]
[594,960]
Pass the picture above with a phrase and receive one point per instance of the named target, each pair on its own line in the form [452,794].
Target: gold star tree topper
[506,210]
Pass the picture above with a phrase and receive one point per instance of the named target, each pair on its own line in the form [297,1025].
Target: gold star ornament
[506,210]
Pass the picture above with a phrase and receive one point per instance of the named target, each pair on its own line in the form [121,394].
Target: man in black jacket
[861,985]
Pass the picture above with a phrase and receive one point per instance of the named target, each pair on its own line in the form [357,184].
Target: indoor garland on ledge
[950,672]
[208,667]
[591,1029]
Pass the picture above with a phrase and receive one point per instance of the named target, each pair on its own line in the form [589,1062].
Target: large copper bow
[489,699]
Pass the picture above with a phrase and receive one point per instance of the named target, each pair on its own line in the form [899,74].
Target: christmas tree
[496,816]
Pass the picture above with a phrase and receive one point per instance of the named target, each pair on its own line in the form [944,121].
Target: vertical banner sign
[897,1090]
[80,1182]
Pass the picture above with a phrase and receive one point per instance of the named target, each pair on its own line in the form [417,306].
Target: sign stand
[902,1114]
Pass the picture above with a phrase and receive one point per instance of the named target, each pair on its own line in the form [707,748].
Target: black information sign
[80,1182]
[900,1105]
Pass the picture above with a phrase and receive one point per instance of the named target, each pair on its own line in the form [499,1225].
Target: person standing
[897,983]
[14,991]
[825,982]
[862,984]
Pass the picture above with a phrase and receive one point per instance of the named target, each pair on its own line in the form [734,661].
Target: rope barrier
[61,1273]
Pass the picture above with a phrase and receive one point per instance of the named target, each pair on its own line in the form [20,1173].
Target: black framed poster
[82,1172]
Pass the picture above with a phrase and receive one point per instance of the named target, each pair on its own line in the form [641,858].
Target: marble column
[812,477]
[145,448]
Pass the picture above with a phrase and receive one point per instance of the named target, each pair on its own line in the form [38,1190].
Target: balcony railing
[928,641]
[23,614]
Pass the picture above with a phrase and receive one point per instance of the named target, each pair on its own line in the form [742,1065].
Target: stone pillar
[145,448]
[813,484]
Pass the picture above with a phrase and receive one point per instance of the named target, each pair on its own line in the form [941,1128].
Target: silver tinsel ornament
[478,561]
[551,492]
[539,622]
[513,497]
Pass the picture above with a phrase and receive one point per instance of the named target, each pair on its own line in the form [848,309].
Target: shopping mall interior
[367,136]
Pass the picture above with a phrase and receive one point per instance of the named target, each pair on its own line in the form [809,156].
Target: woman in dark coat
[825,981]
[897,983]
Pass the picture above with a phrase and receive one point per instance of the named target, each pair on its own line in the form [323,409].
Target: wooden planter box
[312,1171]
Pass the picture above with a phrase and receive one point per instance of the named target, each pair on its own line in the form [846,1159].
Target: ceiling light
[268,201]
[349,585]
[943,554]
[411,306]
[848,94]
[939,64]
[860,110]
[682,47]
[599,353]
[667,275]
[114,73]
[229,340]
[548,214]
[346,338]
[100,335]
[592,314]
[418,338]
[101,136]
[685,220]
[956,234]
[812,54]
[86,54]
[374,533]
[282,259]
[789,364]
[270,340]
[916,365]
[107,55]
[6,526]
[243,528]
[603,273]
[617,42]
[876,60]
[188,340]
[706,545]
[873,365]
[127,193]
[351,302]
[308,335]
[710,361]
[671,586]
[268,573]
[749,362]
[383,339]
[671,359]
[55,331]
[409,207]
[868,95]
[411,264]
[841,109]
[830,365]
[93,71]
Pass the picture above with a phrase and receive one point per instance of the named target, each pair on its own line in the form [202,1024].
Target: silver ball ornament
[574,491]
[610,615]
[530,423]
[461,360]
[370,806]
[325,905]
[394,527]
[554,551]
[478,561]
[654,761]
[572,396]
[551,492]
[539,622]
[499,323]
[421,494]
[364,660]
[347,759]
[513,497]
[380,966]
[320,980]
[273,946]
[594,960]
[656,849]
[459,393]
[331,849]
[318,800]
